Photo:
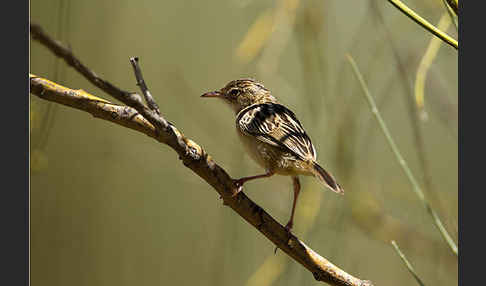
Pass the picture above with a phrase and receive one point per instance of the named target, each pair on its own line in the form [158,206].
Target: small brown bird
[273,136]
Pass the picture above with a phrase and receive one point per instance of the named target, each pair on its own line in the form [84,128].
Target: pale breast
[257,150]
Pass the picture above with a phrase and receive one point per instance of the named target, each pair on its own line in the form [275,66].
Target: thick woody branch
[202,164]
[193,157]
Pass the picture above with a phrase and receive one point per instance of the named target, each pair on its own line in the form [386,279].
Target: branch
[138,117]
[141,83]
[202,164]
[129,98]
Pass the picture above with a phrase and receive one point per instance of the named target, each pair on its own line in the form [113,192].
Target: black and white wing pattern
[276,125]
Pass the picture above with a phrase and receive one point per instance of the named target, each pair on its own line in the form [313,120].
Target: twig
[129,98]
[143,87]
[409,266]
[193,157]
[401,161]
[98,107]
[422,22]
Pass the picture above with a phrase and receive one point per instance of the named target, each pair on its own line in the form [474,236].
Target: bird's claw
[275,250]
[239,188]
[288,227]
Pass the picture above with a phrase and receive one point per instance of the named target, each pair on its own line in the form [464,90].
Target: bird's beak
[212,94]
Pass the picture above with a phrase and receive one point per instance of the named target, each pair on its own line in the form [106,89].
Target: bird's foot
[288,227]
[239,187]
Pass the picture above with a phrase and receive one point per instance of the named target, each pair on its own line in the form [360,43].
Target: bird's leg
[289,225]
[239,183]
[296,182]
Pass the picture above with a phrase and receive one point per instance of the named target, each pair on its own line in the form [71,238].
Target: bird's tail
[326,178]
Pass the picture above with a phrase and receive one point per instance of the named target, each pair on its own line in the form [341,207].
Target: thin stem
[143,87]
[454,5]
[425,63]
[409,266]
[422,22]
[401,161]
[452,13]
[414,113]
[129,98]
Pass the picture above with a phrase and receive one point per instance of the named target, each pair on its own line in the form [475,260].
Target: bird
[273,137]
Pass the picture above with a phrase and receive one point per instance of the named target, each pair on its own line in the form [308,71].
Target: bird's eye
[234,92]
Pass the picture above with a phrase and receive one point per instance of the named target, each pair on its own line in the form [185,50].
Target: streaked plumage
[276,125]
[272,135]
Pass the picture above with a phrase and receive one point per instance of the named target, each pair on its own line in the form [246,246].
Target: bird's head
[241,93]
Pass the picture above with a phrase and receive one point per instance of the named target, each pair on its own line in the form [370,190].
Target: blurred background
[111,206]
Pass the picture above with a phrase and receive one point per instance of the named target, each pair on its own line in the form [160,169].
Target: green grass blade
[422,22]
[409,266]
[415,186]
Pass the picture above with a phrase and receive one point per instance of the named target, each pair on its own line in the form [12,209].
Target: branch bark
[141,118]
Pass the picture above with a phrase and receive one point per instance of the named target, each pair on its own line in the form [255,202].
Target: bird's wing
[276,125]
